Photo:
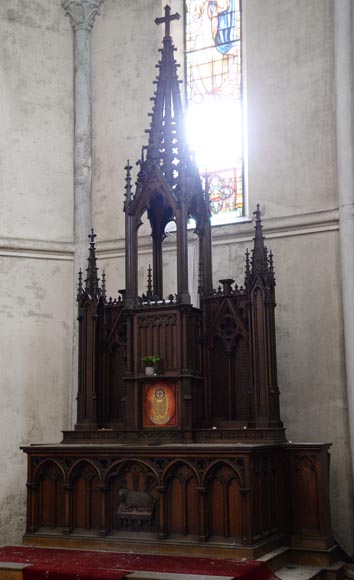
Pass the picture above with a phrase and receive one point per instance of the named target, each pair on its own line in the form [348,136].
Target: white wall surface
[125,43]
[35,361]
[36,121]
[36,228]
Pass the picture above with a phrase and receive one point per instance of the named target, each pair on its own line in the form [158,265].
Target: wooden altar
[195,456]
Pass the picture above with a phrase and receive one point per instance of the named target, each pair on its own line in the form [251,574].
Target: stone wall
[36,208]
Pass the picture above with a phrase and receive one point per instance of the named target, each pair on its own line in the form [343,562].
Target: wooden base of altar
[226,500]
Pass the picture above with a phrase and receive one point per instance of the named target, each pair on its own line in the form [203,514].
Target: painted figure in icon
[160,407]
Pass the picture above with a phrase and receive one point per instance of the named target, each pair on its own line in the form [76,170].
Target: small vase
[149,371]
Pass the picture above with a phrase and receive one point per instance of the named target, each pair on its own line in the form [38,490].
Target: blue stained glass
[225,34]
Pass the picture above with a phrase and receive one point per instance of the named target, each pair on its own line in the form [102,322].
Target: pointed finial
[258,226]
[92,236]
[257,213]
[247,269]
[271,267]
[259,253]
[92,279]
[167,19]
[79,285]
[149,282]
[103,287]
[271,264]
[128,184]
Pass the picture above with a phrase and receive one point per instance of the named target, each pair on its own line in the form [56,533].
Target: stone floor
[294,572]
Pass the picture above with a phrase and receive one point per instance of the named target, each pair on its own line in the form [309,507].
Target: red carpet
[57,564]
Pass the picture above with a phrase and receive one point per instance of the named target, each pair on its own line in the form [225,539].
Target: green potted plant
[150,362]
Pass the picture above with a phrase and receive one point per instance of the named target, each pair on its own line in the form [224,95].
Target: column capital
[82,13]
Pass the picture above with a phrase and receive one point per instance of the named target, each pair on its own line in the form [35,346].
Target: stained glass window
[214,95]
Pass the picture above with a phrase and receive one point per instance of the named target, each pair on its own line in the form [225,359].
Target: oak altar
[193,456]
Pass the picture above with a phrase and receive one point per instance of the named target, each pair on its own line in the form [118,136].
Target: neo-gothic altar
[194,455]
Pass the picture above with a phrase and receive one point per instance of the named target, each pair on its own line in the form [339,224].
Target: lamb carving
[135,502]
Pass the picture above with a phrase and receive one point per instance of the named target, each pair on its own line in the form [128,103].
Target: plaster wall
[35,361]
[291,105]
[36,112]
[125,44]
[292,173]
[36,230]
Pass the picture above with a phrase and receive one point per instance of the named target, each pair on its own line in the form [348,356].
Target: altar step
[288,564]
[279,561]
[12,571]
[165,576]
[297,572]
[293,572]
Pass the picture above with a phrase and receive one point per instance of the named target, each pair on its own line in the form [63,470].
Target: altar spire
[168,185]
[260,252]
[166,132]
[92,279]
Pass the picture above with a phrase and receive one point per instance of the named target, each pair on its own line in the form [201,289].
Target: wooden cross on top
[167,19]
[92,236]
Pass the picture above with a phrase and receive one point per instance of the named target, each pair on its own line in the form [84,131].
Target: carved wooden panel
[86,498]
[242,381]
[219,382]
[51,496]
[194,493]
[309,477]
[157,334]
[116,411]
[191,335]
[225,510]
[306,483]
[265,490]
[182,492]
[228,384]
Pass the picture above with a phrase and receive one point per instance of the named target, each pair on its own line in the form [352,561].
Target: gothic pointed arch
[227,325]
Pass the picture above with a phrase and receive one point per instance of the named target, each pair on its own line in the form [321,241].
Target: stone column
[82,14]
[343,24]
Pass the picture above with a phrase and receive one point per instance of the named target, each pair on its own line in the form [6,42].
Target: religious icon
[160,405]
